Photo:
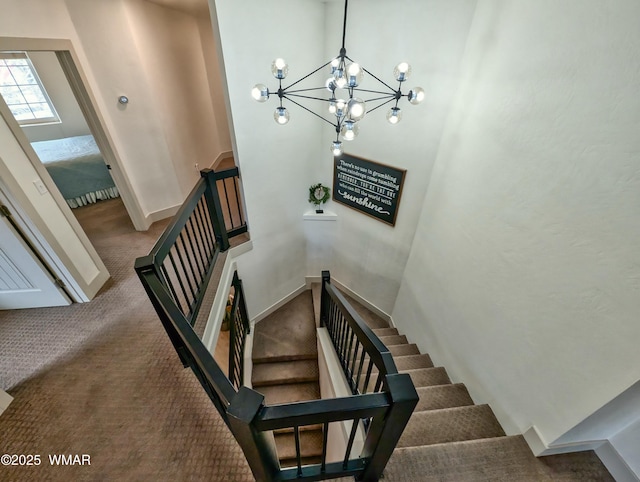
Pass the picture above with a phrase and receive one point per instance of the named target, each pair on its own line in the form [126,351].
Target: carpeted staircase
[448,437]
[285,369]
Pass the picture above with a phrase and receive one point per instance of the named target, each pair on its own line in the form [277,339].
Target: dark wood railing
[239,328]
[175,276]
[229,192]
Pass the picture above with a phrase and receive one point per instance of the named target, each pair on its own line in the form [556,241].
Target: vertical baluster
[352,436]
[378,382]
[298,454]
[200,239]
[368,377]
[226,197]
[325,438]
[236,190]
[168,283]
[352,370]
[180,302]
[187,280]
[184,265]
[208,224]
[349,354]
[193,258]
[201,255]
[206,234]
[362,357]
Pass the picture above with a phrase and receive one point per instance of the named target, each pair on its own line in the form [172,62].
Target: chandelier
[342,92]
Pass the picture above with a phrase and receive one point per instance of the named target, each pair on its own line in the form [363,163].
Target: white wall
[168,44]
[114,54]
[72,121]
[216,88]
[274,160]
[370,256]
[523,274]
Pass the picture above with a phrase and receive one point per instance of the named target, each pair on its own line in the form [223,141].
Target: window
[23,92]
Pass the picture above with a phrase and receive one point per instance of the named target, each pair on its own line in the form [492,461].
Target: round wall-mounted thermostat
[123,99]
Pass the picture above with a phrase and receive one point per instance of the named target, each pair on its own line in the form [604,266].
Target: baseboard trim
[278,304]
[363,301]
[5,400]
[615,463]
[221,156]
[540,447]
[160,215]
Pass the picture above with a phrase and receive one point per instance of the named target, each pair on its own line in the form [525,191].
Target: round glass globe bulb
[279,68]
[281,115]
[357,108]
[416,95]
[335,63]
[336,148]
[402,71]
[349,130]
[354,75]
[341,108]
[260,92]
[339,78]
[330,84]
[394,115]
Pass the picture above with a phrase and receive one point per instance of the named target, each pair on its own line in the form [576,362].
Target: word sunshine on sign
[368,186]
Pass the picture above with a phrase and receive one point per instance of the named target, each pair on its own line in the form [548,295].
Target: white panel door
[24,282]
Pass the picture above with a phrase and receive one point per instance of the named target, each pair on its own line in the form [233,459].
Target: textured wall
[524,274]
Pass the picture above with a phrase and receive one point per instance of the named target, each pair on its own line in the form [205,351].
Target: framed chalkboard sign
[368,187]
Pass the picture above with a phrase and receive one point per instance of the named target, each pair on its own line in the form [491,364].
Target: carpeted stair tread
[413,362]
[409,362]
[393,340]
[302,428]
[450,425]
[443,396]
[421,377]
[502,459]
[404,350]
[310,444]
[426,377]
[395,350]
[304,461]
[289,333]
[279,373]
[385,331]
[292,392]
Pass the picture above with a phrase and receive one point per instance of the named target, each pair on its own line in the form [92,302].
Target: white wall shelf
[325,216]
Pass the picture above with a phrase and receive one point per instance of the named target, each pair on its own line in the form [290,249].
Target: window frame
[55,119]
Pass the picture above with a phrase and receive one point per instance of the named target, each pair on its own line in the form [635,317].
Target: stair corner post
[215,208]
[385,432]
[259,450]
[324,297]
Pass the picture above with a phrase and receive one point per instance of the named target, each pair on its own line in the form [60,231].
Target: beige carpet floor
[102,379]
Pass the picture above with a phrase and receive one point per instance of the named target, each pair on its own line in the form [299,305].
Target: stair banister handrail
[189,343]
[377,350]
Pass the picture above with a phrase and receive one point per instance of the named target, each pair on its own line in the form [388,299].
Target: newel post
[258,448]
[385,432]
[215,208]
[324,298]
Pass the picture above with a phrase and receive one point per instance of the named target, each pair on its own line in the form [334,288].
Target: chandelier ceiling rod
[344,82]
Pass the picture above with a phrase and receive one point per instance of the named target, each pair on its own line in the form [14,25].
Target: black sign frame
[368,186]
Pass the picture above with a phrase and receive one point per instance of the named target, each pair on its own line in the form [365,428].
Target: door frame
[66,54]
[26,214]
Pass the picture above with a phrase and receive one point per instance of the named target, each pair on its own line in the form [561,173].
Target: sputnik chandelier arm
[344,102]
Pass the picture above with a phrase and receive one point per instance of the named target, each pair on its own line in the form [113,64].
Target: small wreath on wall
[318,195]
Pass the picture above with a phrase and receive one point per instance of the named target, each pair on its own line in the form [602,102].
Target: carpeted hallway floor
[102,379]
